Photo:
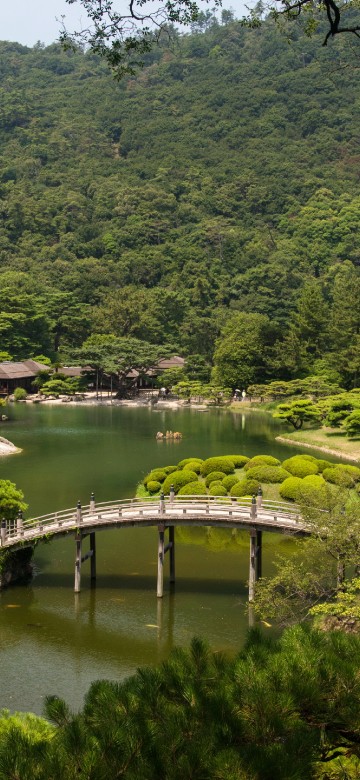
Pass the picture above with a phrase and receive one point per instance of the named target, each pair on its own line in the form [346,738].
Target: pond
[55,642]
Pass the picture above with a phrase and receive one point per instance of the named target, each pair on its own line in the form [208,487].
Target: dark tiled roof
[21,370]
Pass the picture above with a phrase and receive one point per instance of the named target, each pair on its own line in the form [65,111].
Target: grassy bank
[327,440]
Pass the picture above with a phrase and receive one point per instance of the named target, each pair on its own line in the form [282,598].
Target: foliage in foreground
[287,709]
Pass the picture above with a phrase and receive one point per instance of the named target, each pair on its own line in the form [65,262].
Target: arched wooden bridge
[256,515]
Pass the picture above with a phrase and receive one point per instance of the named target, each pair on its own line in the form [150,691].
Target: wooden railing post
[259,498]
[3,532]
[172,493]
[162,503]
[19,523]
[253,508]
[78,513]
[92,503]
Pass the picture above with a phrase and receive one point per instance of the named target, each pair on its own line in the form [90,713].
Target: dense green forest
[210,202]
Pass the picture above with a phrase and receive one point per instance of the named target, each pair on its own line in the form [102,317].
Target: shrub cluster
[153,486]
[238,460]
[157,474]
[338,476]
[289,489]
[245,487]
[261,460]
[185,461]
[193,489]
[301,465]
[179,479]
[217,489]
[193,465]
[217,464]
[214,476]
[229,481]
[268,473]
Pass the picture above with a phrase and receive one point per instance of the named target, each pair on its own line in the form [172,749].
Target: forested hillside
[217,188]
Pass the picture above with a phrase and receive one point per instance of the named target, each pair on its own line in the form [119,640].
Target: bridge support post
[78,546]
[93,556]
[161,554]
[3,532]
[172,552]
[255,561]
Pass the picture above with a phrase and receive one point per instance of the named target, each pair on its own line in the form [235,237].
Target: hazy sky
[29,21]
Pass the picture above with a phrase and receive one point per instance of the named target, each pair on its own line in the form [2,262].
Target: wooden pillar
[258,560]
[252,567]
[160,573]
[172,553]
[78,546]
[93,556]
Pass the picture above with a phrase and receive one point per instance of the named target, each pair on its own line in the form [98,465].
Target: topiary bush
[245,487]
[217,464]
[229,481]
[157,474]
[217,489]
[238,460]
[354,471]
[338,477]
[193,489]
[268,473]
[179,479]
[261,460]
[193,465]
[289,489]
[323,464]
[300,466]
[153,486]
[20,394]
[214,476]
[184,462]
[312,486]
[169,469]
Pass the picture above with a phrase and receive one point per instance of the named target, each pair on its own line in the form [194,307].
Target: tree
[240,356]
[297,412]
[123,37]
[11,500]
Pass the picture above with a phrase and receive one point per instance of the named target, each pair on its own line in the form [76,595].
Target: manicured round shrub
[338,477]
[193,489]
[311,486]
[309,457]
[184,462]
[20,394]
[217,489]
[169,469]
[194,465]
[323,464]
[268,473]
[178,479]
[314,480]
[214,476]
[245,487]
[261,460]
[157,474]
[354,471]
[300,466]
[238,460]
[229,481]
[217,464]
[289,490]
[153,486]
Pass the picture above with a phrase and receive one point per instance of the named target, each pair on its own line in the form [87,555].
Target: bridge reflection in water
[166,514]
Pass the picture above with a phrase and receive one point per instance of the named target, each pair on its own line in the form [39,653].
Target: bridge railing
[117,509]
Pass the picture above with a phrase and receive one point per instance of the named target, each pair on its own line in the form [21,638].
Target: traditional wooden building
[21,374]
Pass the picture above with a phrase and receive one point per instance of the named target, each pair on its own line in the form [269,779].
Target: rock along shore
[7,447]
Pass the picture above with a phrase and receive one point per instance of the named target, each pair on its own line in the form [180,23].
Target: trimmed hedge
[153,486]
[179,479]
[338,477]
[217,489]
[214,476]
[268,473]
[229,481]
[193,489]
[184,462]
[261,460]
[157,474]
[194,465]
[245,487]
[315,480]
[217,464]
[289,490]
[323,464]
[354,471]
[238,460]
[300,466]
[170,469]
[312,485]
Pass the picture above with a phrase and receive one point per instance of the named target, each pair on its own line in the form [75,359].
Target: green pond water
[55,642]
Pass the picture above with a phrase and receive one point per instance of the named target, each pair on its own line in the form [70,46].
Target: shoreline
[321,448]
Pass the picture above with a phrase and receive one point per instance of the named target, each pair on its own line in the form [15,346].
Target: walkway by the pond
[256,515]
